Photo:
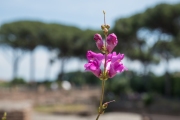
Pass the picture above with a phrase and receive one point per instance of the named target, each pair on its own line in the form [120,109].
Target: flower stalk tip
[104,12]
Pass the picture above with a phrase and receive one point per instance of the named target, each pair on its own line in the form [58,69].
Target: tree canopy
[71,41]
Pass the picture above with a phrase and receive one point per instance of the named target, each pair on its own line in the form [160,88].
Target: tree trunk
[15,63]
[167,80]
[32,67]
[62,68]
[145,76]
[48,67]
[47,71]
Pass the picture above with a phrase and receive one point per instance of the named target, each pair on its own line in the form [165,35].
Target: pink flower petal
[111,42]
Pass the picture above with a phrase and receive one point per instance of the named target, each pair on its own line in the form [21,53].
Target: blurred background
[43,47]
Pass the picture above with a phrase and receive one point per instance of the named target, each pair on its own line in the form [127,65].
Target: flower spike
[110,61]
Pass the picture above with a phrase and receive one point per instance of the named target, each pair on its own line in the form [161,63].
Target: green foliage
[176,86]
[118,85]
[147,99]
[46,83]
[18,81]
[123,84]
[4,84]
[157,84]
[21,34]
[163,18]
[136,84]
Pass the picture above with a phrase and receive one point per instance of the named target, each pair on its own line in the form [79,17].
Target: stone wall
[16,110]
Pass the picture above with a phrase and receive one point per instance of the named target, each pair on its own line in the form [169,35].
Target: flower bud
[102,27]
[105,31]
[105,105]
[97,37]
[99,41]
[111,42]
[107,26]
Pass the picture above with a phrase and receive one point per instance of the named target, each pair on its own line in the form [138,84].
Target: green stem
[101,100]
[98,117]
[102,93]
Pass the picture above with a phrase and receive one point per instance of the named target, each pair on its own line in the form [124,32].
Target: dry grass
[63,109]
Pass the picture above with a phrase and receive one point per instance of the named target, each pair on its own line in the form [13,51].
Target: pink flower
[99,41]
[94,67]
[114,64]
[115,57]
[92,56]
[115,68]
[94,62]
[111,42]
[113,60]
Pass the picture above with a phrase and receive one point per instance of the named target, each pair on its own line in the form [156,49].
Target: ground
[107,116]
[79,104]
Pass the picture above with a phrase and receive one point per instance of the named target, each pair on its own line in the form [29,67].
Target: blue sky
[81,13]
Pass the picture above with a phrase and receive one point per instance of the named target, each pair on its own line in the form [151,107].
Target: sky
[81,13]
